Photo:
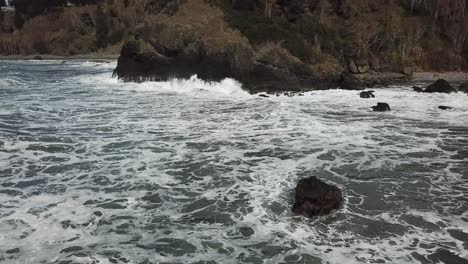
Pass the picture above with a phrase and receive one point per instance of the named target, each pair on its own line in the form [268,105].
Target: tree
[269,7]
[102,27]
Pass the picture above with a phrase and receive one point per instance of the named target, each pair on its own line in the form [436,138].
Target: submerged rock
[367,94]
[443,107]
[314,197]
[440,86]
[381,107]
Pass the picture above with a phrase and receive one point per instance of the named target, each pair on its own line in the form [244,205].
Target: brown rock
[314,198]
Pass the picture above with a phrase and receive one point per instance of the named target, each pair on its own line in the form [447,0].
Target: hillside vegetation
[328,35]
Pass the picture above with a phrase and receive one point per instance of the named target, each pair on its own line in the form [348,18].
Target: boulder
[418,89]
[315,198]
[367,94]
[440,86]
[463,88]
[381,107]
[443,107]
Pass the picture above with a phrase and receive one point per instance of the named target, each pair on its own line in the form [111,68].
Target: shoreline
[457,76]
[90,57]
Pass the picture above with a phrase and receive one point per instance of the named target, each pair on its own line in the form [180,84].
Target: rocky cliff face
[196,40]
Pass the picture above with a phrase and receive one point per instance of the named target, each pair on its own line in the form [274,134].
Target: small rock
[97,213]
[418,89]
[314,197]
[13,251]
[246,231]
[440,86]
[37,57]
[367,94]
[263,95]
[443,107]
[381,107]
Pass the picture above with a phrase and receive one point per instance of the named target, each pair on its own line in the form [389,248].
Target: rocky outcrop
[463,88]
[315,198]
[197,41]
[381,107]
[440,86]
[272,69]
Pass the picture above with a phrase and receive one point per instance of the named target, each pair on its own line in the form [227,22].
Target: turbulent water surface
[97,171]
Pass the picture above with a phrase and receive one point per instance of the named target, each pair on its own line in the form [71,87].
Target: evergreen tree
[102,27]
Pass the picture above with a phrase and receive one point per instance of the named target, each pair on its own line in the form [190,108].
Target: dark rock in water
[418,89]
[97,213]
[37,57]
[447,257]
[263,95]
[381,107]
[440,86]
[443,107]
[463,88]
[367,94]
[246,231]
[314,197]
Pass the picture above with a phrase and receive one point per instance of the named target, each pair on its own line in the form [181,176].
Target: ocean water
[97,171]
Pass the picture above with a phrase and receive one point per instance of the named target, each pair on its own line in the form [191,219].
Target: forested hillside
[388,35]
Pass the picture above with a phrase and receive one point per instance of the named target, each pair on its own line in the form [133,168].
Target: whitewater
[93,170]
